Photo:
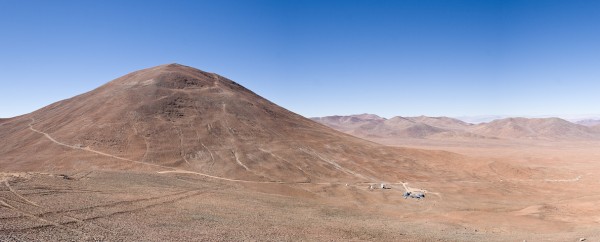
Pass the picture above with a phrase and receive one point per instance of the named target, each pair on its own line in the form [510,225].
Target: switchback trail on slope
[170,169]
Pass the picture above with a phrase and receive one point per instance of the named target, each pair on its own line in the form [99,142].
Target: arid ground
[551,196]
[172,153]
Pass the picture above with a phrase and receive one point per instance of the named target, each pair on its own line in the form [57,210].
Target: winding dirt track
[181,171]
[72,219]
[19,195]
[175,170]
[171,169]
[90,150]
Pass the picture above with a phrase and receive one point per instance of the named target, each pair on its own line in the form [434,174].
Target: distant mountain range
[481,118]
[423,127]
[589,122]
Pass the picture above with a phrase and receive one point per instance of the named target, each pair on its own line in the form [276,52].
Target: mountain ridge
[419,127]
[589,122]
[423,127]
[537,128]
[177,118]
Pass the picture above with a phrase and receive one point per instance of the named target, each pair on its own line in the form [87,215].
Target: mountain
[406,127]
[175,153]
[422,127]
[443,128]
[481,118]
[441,122]
[588,122]
[534,128]
[349,123]
[179,119]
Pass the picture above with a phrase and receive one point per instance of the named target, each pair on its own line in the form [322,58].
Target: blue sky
[316,58]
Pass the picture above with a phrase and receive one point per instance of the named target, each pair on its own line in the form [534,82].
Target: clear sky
[317,58]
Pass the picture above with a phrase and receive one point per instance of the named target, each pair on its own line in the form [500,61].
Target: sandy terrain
[172,153]
[519,204]
[545,188]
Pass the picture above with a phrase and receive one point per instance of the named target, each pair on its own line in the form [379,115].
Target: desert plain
[172,153]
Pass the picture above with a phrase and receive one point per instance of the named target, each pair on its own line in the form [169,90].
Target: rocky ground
[146,206]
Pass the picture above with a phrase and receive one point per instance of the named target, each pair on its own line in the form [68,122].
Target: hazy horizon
[190,120]
[434,58]
[486,118]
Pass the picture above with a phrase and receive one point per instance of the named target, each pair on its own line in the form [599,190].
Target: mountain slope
[176,118]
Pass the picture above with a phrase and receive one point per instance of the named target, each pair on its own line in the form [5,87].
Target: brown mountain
[406,127]
[174,153]
[177,118]
[535,128]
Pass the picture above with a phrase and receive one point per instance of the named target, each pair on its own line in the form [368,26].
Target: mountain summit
[174,117]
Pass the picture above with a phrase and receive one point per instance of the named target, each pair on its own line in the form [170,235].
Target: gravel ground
[138,206]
